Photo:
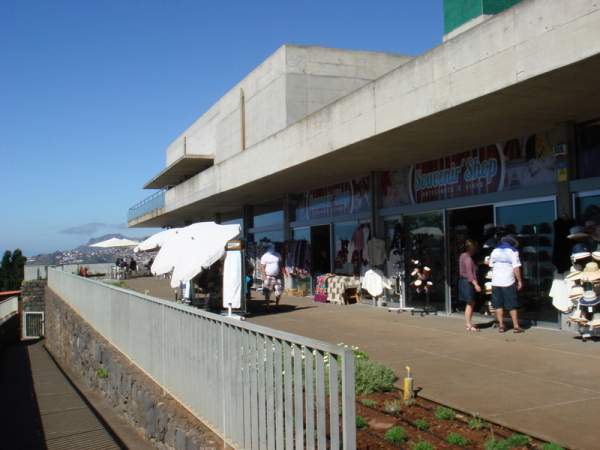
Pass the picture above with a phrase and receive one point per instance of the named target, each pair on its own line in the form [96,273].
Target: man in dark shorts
[506,281]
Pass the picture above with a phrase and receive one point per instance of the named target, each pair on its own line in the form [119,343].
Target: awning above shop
[183,168]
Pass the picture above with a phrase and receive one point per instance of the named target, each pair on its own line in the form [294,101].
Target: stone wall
[32,295]
[134,396]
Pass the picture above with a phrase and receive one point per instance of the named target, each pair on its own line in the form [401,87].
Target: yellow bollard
[408,393]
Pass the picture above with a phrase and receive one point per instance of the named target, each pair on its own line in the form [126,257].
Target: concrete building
[497,125]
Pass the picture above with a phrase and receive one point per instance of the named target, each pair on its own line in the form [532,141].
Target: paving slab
[541,382]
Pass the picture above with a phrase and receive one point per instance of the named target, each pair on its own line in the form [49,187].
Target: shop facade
[427,210]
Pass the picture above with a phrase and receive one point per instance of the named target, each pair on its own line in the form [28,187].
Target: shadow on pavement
[20,419]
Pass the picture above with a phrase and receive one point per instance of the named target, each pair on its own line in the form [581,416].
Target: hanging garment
[560,294]
[374,283]
[366,231]
[376,248]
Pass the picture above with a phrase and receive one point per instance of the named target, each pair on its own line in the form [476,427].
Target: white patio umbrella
[192,249]
[115,242]
[156,240]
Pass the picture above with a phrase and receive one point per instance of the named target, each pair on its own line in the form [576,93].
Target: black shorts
[505,297]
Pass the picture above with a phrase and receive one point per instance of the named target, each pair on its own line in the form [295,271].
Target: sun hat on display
[580,251]
[591,272]
[577,232]
[590,298]
[488,287]
[576,292]
[596,255]
[578,317]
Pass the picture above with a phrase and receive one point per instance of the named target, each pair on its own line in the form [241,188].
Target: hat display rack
[583,280]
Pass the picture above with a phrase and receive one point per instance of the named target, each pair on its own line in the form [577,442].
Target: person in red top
[467,282]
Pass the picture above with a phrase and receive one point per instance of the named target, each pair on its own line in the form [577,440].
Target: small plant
[477,423]
[102,373]
[517,440]
[361,422]
[493,444]
[457,439]
[422,445]
[395,435]
[421,424]
[392,407]
[373,377]
[410,402]
[443,413]
[369,403]
[551,446]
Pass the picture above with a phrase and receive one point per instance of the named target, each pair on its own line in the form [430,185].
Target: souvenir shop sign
[340,199]
[514,164]
[475,172]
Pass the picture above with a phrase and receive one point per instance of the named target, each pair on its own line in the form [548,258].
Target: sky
[92,92]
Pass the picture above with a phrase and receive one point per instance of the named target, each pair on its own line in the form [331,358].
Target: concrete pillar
[564,201]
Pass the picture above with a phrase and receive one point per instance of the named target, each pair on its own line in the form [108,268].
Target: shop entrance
[466,223]
[320,238]
[424,236]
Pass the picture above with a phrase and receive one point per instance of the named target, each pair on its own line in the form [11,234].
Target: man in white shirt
[506,281]
[271,268]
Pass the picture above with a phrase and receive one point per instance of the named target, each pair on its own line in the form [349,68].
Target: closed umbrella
[156,240]
[193,248]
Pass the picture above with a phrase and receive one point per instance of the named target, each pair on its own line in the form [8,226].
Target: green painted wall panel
[458,12]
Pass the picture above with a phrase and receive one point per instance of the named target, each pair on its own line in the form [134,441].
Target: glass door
[531,222]
[424,238]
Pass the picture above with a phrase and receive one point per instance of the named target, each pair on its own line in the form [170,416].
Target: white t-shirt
[503,261]
[271,261]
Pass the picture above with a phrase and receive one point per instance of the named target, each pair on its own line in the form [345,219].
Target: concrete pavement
[543,382]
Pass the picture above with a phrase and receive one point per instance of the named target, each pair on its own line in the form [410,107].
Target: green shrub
[477,423]
[551,446]
[443,413]
[373,377]
[395,435]
[422,445]
[517,440]
[102,373]
[369,403]
[493,444]
[457,439]
[421,424]
[361,422]
[392,407]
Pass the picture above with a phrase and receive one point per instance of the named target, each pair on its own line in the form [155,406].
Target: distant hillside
[84,254]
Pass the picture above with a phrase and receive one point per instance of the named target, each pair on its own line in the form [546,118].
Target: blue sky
[92,92]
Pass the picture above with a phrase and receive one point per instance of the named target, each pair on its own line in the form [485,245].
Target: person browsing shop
[467,282]
[271,268]
[506,281]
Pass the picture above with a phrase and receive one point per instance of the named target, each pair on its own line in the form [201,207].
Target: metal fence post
[348,400]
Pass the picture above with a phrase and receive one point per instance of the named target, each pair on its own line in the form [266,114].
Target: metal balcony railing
[155,201]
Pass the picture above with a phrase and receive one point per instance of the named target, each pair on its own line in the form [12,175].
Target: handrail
[150,203]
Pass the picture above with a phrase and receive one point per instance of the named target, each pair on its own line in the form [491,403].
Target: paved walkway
[42,410]
[542,382]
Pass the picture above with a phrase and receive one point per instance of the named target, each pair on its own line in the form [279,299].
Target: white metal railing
[257,387]
[8,307]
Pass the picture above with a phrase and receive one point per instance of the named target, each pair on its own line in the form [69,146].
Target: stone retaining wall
[155,415]
[32,295]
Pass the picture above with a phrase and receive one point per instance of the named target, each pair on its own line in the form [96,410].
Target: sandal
[501,330]
[518,330]
[472,328]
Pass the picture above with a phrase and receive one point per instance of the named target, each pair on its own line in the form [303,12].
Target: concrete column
[376,222]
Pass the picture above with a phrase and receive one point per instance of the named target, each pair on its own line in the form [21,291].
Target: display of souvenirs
[578,293]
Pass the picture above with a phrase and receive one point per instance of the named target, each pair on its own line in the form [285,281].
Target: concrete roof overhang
[181,169]
[528,69]
[569,94]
